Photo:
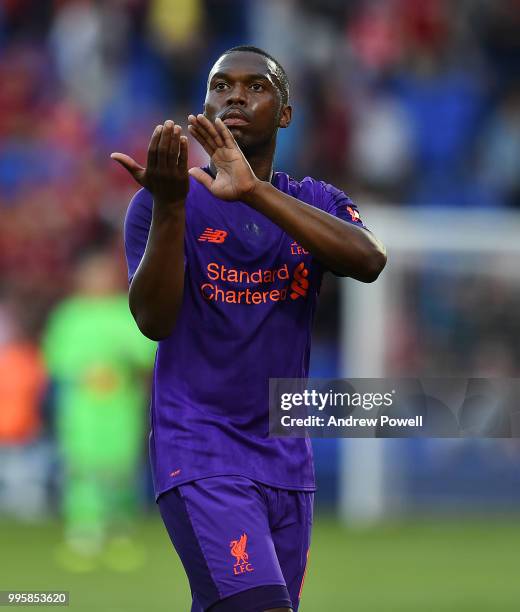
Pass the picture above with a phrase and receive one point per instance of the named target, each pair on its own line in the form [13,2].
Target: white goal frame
[368,473]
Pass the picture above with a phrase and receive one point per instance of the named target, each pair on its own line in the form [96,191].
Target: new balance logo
[213,235]
[300,283]
[238,550]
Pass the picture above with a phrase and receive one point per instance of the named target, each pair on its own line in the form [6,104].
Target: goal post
[370,477]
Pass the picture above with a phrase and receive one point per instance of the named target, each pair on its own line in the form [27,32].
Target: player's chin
[240,135]
[245,137]
[238,130]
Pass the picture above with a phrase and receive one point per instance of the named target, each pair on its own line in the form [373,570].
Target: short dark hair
[281,76]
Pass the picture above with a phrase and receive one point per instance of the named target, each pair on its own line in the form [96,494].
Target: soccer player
[98,360]
[225,265]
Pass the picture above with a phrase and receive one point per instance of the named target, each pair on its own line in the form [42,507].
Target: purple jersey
[250,294]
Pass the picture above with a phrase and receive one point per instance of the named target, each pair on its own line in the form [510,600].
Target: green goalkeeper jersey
[98,360]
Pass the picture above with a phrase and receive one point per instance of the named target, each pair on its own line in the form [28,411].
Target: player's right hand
[166,172]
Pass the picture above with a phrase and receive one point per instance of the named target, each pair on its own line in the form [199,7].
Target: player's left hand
[235,178]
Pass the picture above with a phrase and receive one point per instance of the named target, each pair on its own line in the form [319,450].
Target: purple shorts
[244,545]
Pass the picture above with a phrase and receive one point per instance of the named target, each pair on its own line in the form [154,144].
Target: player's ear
[285,116]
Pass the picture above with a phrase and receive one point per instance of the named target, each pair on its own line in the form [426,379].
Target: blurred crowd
[457,325]
[398,102]
[395,101]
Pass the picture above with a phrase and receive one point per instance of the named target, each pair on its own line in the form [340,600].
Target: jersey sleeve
[137,226]
[337,203]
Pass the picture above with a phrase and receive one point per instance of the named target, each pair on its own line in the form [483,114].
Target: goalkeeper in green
[98,359]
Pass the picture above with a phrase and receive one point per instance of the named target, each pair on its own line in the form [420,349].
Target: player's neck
[262,166]
[261,159]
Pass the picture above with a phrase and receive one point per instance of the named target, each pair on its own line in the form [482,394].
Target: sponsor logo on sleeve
[354,214]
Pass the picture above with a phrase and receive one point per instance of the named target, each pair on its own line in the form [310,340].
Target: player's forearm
[345,249]
[157,287]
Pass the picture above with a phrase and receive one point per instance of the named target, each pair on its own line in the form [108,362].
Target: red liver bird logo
[238,550]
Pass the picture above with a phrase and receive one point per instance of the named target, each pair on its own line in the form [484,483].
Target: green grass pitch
[457,566]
